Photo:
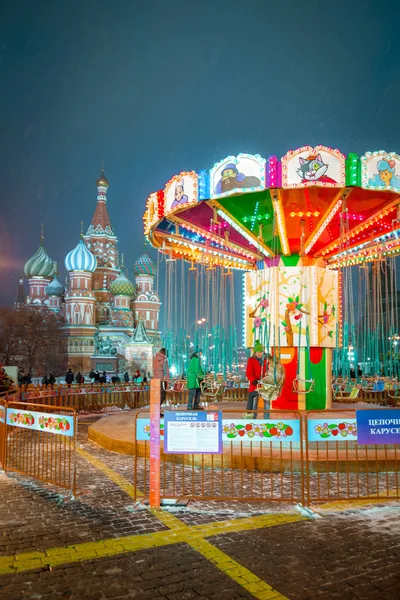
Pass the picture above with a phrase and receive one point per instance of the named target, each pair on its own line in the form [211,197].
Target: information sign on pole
[193,432]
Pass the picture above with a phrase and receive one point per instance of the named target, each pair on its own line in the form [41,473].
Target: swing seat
[303,386]
[379,386]
[213,389]
[168,385]
[393,390]
[349,393]
[270,393]
[179,385]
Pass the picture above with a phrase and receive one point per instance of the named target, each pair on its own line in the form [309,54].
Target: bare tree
[31,338]
[9,336]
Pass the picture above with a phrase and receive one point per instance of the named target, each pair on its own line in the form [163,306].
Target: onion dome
[122,286]
[55,288]
[144,266]
[102,180]
[80,259]
[40,264]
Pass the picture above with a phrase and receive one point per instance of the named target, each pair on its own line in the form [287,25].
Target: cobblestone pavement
[103,544]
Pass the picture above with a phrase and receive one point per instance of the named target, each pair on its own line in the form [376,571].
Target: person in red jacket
[255,371]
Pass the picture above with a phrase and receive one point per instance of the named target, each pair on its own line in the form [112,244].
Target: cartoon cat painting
[313,168]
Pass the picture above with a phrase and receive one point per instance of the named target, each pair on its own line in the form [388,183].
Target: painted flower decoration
[257,322]
[264,302]
[265,430]
[342,429]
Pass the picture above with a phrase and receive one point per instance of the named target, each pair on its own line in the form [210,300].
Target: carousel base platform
[116,432]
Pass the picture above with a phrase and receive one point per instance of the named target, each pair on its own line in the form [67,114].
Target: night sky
[158,86]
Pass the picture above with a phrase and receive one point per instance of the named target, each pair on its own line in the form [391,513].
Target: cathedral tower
[147,304]
[102,242]
[54,292]
[39,270]
[80,307]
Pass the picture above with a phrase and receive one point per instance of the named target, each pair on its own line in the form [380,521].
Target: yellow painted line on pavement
[178,532]
[250,582]
[245,524]
[256,586]
[119,480]
[341,505]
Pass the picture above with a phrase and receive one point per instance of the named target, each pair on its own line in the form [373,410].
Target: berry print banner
[37,421]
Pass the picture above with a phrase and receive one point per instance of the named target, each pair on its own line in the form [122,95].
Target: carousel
[315,234]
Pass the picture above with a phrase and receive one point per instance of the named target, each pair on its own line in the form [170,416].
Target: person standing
[255,371]
[126,377]
[45,379]
[69,378]
[195,376]
[161,372]
[52,379]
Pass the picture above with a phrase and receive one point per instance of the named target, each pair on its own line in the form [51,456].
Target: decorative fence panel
[40,441]
[262,460]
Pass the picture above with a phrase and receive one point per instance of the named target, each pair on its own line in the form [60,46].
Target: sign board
[193,432]
[38,421]
[240,431]
[378,426]
[260,430]
[319,166]
[332,430]
[380,171]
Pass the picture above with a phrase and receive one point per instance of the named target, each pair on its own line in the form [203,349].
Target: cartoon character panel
[244,173]
[313,166]
[181,190]
[381,170]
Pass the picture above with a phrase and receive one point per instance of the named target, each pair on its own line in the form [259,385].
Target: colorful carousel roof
[316,202]
[80,259]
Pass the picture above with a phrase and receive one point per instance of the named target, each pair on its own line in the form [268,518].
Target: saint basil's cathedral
[110,323]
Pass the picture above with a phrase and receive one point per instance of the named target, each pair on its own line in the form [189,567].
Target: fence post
[155,397]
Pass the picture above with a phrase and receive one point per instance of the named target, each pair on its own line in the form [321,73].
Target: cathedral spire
[21,296]
[101,220]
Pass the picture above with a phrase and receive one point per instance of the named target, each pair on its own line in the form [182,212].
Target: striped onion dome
[80,259]
[122,286]
[55,288]
[144,266]
[40,264]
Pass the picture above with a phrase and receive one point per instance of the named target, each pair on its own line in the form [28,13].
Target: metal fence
[39,441]
[88,398]
[248,470]
[336,468]
[339,468]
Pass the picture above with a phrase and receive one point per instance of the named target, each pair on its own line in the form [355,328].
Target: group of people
[24,378]
[96,377]
[266,376]
[195,376]
[264,372]
[48,379]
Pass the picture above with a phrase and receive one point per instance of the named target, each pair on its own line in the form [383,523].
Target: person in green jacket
[195,375]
